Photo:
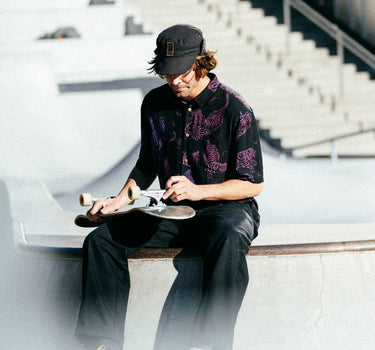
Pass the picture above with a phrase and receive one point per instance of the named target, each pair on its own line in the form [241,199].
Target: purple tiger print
[244,124]
[201,126]
[211,158]
[245,159]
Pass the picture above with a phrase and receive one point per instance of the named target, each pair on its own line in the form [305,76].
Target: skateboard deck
[155,208]
[166,212]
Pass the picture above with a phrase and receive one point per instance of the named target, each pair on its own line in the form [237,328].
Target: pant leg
[223,234]
[106,280]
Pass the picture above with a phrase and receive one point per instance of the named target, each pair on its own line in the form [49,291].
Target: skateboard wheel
[85,199]
[134,192]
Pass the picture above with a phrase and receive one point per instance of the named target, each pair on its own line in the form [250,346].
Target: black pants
[221,233]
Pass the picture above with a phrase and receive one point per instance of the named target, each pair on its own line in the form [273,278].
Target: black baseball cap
[177,48]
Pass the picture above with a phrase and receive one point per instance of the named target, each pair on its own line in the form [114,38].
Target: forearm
[180,188]
[230,190]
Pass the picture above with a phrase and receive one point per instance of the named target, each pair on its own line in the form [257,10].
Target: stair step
[297,91]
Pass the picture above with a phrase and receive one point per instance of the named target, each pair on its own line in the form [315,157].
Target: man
[201,140]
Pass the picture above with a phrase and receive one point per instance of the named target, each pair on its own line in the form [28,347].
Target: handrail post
[334,156]
[287,22]
[340,54]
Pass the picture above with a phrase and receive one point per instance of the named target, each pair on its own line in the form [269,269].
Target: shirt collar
[208,92]
[205,96]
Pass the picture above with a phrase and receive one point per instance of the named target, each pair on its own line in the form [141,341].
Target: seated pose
[201,140]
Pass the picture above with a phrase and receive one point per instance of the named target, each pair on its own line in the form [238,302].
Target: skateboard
[155,208]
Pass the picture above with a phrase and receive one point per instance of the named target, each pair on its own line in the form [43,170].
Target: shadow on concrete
[144,84]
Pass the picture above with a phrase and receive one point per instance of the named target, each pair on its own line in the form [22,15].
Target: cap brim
[174,65]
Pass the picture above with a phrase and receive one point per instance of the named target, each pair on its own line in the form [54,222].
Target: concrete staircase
[294,96]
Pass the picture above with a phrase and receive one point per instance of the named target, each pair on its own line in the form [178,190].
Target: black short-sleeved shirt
[210,139]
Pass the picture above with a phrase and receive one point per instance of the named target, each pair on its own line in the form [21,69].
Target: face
[185,86]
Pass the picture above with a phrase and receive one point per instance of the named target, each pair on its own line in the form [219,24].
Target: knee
[235,226]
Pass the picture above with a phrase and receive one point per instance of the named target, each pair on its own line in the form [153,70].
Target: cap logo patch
[170,49]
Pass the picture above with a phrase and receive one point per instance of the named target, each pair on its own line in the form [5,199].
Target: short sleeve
[248,154]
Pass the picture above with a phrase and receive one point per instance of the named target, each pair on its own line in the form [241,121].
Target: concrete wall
[294,301]
[317,301]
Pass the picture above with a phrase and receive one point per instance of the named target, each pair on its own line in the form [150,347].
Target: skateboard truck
[134,193]
[155,196]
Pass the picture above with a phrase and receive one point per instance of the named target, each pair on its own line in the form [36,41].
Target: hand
[181,188]
[103,206]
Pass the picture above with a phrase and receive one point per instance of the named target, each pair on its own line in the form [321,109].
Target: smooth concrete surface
[70,123]
[293,302]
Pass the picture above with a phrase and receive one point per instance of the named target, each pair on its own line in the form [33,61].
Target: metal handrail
[331,140]
[343,40]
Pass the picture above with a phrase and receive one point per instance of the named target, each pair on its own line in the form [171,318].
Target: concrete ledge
[172,253]
[69,246]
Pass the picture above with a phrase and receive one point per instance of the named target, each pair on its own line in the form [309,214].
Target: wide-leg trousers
[221,233]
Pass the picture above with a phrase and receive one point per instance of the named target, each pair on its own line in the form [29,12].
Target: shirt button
[187,134]
[189,109]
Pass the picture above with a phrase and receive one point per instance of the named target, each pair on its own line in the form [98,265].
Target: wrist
[123,196]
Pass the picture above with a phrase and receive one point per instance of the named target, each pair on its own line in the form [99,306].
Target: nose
[176,79]
[173,79]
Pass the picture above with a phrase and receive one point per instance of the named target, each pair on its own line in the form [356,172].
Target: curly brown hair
[202,65]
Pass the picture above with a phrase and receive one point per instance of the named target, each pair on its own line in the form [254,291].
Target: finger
[91,217]
[170,182]
[175,179]
[174,189]
[107,209]
[168,193]
[177,197]
[98,205]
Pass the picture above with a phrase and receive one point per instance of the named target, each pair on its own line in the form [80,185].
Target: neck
[201,85]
